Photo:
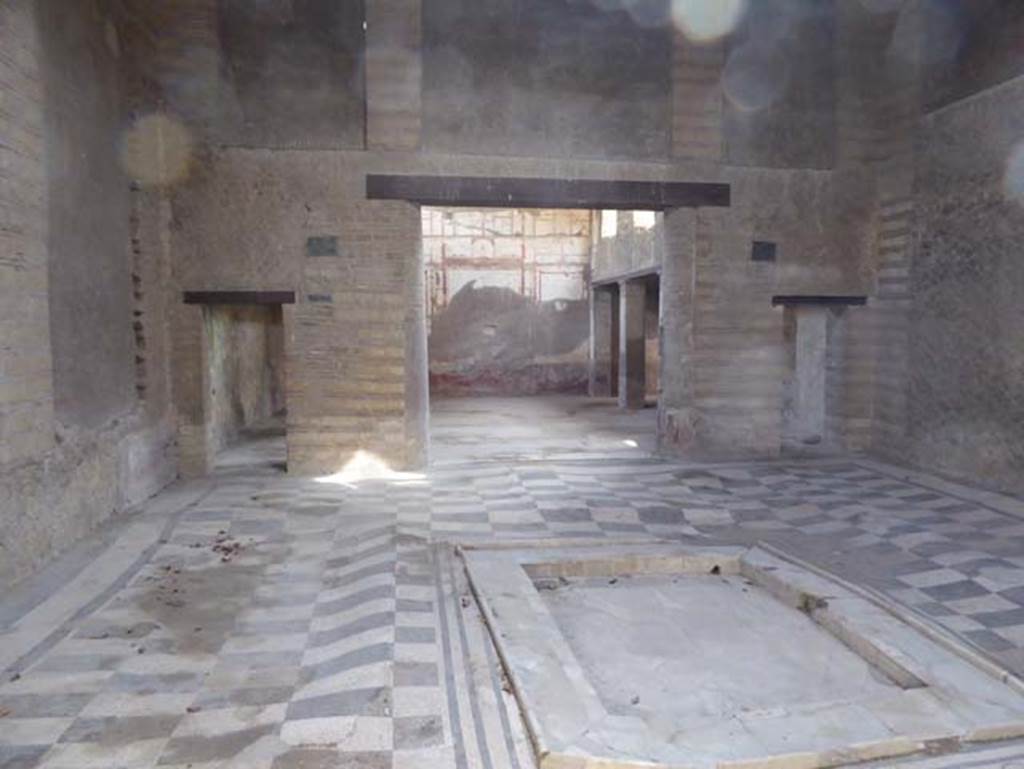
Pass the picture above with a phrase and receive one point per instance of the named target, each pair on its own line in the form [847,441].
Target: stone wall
[88,216]
[965,394]
[346,336]
[451,87]
[724,349]
[67,302]
[544,77]
[508,300]
[26,389]
[929,100]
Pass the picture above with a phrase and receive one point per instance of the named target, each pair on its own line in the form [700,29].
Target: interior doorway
[246,365]
[652,339]
[644,201]
[508,315]
[506,300]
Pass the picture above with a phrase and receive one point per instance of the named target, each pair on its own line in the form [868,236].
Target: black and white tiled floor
[283,623]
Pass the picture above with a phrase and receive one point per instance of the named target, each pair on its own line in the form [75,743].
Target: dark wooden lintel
[498,192]
[239,297]
[821,299]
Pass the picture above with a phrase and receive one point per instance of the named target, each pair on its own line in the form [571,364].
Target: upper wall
[276,74]
[534,78]
[581,79]
[295,72]
[90,292]
[779,86]
[970,45]
[544,77]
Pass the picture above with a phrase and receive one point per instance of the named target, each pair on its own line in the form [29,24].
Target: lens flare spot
[704,21]
[755,76]
[157,150]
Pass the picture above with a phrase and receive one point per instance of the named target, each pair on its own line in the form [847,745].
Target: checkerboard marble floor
[270,622]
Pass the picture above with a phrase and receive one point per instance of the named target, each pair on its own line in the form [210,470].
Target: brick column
[632,311]
[417,378]
[191,390]
[675,405]
[602,347]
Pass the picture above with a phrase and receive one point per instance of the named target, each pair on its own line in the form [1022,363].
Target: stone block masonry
[737,349]
[347,388]
[348,335]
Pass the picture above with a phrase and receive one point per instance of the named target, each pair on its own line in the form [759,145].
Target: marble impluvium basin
[624,657]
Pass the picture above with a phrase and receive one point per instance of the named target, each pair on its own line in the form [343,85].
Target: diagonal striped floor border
[487,730]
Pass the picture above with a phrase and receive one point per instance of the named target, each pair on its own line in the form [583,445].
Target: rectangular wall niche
[812,388]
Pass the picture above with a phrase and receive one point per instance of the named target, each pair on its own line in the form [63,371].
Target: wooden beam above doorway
[508,192]
[239,297]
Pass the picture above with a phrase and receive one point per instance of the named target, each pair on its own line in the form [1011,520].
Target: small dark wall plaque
[762,251]
[322,245]
[320,298]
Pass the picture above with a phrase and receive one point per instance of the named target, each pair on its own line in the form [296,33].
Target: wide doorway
[508,304]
